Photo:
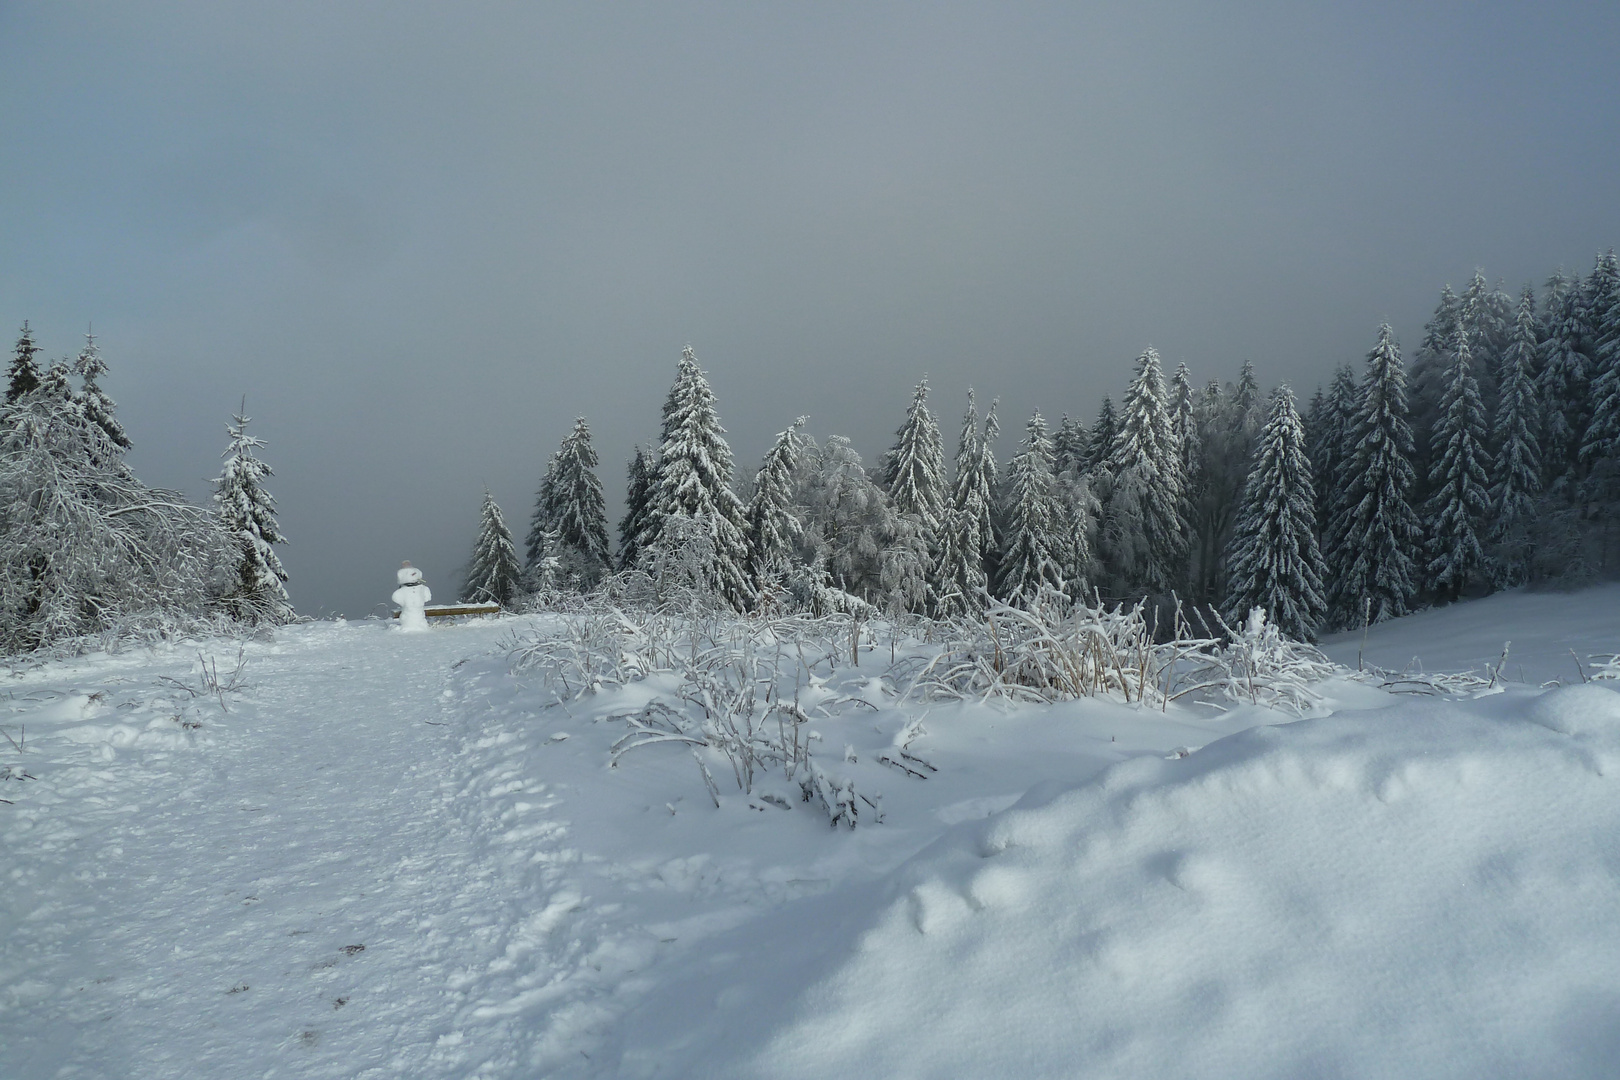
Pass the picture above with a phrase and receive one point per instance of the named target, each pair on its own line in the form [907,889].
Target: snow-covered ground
[383,855]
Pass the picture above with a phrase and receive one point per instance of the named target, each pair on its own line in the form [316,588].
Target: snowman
[412,597]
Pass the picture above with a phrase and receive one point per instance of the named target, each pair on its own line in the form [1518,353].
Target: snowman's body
[412,596]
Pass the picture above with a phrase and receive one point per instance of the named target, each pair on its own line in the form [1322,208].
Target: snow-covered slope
[1399,886]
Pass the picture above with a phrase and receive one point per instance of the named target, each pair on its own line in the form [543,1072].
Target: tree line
[89,549]
[1492,461]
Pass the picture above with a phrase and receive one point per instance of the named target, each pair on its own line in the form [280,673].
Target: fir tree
[99,409]
[1382,533]
[1184,421]
[577,511]
[24,373]
[1251,406]
[773,522]
[1146,447]
[493,573]
[1516,470]
[914,469]
[1030,565]
[1274,561]
[642,483]
[1456,509]
[1428,384]
[694,484]
[247,514]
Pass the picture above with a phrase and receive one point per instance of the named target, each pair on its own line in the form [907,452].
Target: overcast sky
[422,238]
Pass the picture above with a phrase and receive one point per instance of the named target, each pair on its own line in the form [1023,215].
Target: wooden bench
[444,611]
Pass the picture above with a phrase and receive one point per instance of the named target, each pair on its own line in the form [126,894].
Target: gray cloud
[421,238]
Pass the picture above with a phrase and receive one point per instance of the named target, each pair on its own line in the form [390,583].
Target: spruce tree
[1030,564]
[1103,434]
[914,469]
[24,373]
[247,515]
[1071,448]
[1274,563]
[578,511]
[1145,446]
[99,409]
[641,484]
[1382,533]
[1184,421]
[1516,469]
[987,481]
[1602,437]
[1456,509]
[773,521]
[1428,384]
[961,582]
[1332,454]
[493,573]
[1563,379]
[694,485]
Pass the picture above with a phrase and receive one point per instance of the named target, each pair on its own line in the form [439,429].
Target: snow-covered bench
[443,611]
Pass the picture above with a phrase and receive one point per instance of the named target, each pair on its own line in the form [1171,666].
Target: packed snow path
[297,896]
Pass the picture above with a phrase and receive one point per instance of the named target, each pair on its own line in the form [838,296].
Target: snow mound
[1422,891]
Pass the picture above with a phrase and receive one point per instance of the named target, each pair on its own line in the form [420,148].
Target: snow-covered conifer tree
[1071,448]
[914,469]
[1602,438]
[1146,446]
[1332,451]
[1458,503]
[247,514]
[1030,563]
[694,484]
[1184,421]
[494,573]
[24,372]
[1274,563]
[1563,377]
[98,408]
[577,511]
[1382,533]
[961,583]
[773,521]
[1251,403]
[641,484]
[1103,434]
[987,480]
[1428,385]
[1516,469]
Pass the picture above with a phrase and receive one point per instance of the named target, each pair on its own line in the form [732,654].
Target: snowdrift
[1425,890]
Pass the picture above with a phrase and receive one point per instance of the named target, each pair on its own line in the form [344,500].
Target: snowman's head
[407,574]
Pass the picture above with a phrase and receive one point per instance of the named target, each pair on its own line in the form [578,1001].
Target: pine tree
[578,511]
[493,573]
[1382,533]
[1030,564]
[1456,509]
[247,514]
[914,469]
[1146,446]
[99,409]
[694,484]
[1274,561]
[641,485]
[773,521]
[1516,470]
[24,373]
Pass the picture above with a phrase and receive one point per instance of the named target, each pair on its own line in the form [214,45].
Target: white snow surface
[1400,886]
